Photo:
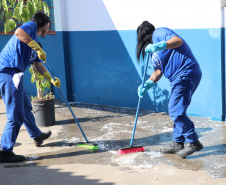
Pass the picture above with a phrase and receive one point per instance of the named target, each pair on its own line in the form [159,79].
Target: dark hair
[144,37]
[40,19]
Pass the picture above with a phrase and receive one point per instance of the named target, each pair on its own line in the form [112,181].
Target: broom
[87,145]
[131,148]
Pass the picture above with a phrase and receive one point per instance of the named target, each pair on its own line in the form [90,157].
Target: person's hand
[147,85]
[56,82]
[39,50]
[151,48]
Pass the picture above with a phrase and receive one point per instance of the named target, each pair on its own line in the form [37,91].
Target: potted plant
[43,102]
[17,12]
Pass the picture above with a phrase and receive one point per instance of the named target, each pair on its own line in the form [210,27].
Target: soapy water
[154,131]
[110,142]
[152,155]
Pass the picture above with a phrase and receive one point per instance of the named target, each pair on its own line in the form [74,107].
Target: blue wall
[207,99]
[102,69]
[53,46]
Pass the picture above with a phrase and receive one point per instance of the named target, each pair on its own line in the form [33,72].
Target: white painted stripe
[57,15]
[93,15]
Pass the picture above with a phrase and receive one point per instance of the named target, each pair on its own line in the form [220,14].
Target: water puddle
[111,128]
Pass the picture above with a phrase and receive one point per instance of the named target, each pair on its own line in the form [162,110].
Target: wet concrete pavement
[61,161]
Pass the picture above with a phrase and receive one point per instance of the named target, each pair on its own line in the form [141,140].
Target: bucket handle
[38,108]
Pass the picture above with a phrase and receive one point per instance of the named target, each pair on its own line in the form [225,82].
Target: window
[51,16]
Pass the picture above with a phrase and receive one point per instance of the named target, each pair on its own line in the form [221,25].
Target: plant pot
[44,112]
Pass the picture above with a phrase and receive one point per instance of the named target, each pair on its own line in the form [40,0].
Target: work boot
[173,148]
[10,157]
[39,140]
[190,149]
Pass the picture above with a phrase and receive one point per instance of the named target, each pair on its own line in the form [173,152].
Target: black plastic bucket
[44,112]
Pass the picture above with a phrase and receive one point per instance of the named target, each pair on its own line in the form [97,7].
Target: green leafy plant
[42,85]
[20,11]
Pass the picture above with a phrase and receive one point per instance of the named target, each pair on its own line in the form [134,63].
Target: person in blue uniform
[173,58]
[21,51]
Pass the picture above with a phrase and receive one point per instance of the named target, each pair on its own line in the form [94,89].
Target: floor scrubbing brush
[131,148]
[87,144]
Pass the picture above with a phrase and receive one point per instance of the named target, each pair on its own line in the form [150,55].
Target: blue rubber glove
[155,47]
[147,85]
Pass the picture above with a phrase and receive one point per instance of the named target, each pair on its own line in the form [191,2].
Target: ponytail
[144,37]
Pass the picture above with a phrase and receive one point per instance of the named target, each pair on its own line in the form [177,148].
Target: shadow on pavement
[43,175]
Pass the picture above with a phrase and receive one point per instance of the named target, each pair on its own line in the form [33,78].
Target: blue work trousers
[182,90]
[18,110]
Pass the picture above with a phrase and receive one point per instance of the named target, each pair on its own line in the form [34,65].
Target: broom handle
[69,107]
[138,106]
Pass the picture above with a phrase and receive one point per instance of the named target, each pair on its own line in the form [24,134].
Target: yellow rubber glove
[40,52]
[55,82]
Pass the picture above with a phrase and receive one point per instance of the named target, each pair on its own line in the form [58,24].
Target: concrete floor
[61,161]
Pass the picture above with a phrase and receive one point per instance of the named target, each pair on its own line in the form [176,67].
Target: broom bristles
[131,150]
[92,147]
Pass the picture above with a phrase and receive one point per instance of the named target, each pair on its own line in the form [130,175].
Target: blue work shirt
[18,55]
[174,62]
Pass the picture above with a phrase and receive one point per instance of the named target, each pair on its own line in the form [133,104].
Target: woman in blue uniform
[21,51]
[172,57]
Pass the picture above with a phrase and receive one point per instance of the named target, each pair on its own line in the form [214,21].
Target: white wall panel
[89,15]
[177,14]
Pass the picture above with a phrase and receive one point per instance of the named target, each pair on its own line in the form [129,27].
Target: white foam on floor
[125,160]
[144,166]
[111,127]
[166,129]
[113,131]
[130,160]
[140,122]
[154,154]
[216,174]
[73,140]
[113,135]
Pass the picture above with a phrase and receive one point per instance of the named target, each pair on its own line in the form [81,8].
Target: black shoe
[39,140]
[173,148]
[190,149]
[10,157]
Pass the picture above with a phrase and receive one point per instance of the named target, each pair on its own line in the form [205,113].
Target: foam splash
[111,127]
[140,122]
[73,140]
[166,129]
[217,174]
[154,154]
[126,160]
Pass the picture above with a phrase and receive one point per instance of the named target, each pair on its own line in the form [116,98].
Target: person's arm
[42,70]
[156,75]
[174,42]
[23,36]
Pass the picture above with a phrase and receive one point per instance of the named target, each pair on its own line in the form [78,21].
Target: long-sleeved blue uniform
[183,71]
[15,57]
